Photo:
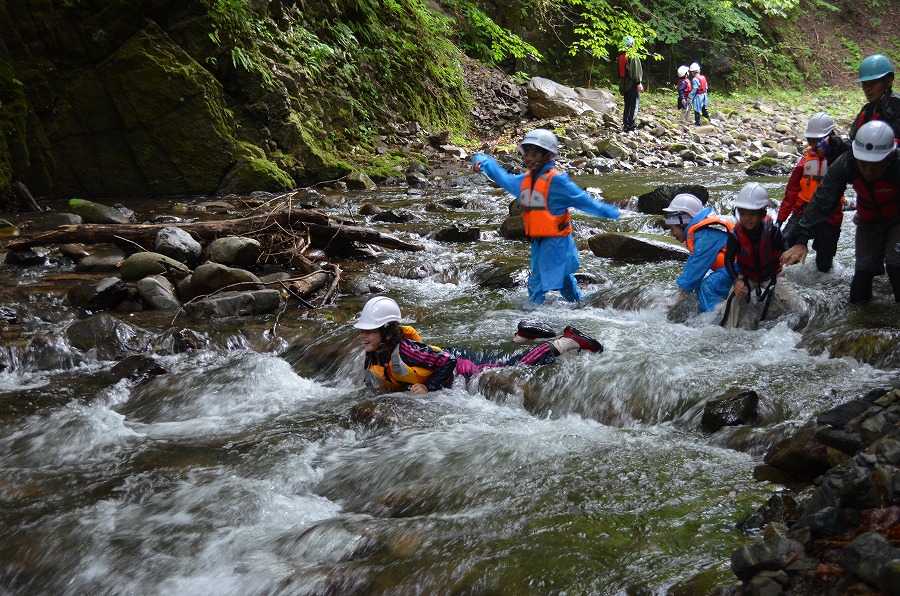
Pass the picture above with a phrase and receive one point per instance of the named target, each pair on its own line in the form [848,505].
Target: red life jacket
[715,222]
[877,201]
[702,86]
[623,61]
[761,262]
[886,109]
[539,222]
[687,87]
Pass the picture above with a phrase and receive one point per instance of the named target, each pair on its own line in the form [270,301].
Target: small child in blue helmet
[546,194]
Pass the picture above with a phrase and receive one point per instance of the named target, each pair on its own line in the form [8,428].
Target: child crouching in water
[755,245]
[397,360]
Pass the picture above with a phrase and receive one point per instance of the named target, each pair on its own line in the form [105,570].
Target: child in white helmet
[755,245]
[398,360]
[824,146]
[706,235]
[684,92]
[546,194]
[699,93]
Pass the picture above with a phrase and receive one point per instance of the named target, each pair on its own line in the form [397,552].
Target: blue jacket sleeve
[564,194]
[707,245]
[511,183]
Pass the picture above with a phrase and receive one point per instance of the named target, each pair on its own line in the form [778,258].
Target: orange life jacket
[814,170]
[396,374]
[715,222]
[539,222]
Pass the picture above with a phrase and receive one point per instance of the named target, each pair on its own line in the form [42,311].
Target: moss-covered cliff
[157,97]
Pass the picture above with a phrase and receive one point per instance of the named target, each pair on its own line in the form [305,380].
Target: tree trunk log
[302,288]
[319,226]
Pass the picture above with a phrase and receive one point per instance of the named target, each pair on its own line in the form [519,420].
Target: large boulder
[633,249]
[548,99]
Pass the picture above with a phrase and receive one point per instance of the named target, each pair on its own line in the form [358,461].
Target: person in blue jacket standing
[699,93]
[706,236]
[546,194]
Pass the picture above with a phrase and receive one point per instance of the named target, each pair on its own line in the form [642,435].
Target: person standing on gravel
[546,194]
[684,92]
[631,76]
[699,93]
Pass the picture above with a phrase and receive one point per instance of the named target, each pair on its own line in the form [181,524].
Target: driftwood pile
[286,233]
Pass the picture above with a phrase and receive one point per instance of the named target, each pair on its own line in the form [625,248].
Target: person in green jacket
[631,76]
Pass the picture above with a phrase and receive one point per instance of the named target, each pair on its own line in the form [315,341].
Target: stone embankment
[841,534]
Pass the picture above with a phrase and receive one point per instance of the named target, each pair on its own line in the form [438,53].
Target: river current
[243,469]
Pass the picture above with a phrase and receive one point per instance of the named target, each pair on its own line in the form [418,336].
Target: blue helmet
[874,67]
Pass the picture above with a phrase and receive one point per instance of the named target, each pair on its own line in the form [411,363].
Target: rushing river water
[241,470]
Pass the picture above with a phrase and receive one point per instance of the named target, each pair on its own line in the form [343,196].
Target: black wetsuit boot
[893,272]
[861,286]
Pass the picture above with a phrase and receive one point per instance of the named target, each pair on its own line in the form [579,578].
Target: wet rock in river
[50,220]
[110,338]
[178,244]
[631,249]
[101,261]
[235,304]
[513,228]
[142,264]
[730,410]
[211,277]
[768,166]
[157,293]
[235,251]
[26,257]
[455,233]
[105,294]
[91,212]
[138,368]
[656,200]
[801,455]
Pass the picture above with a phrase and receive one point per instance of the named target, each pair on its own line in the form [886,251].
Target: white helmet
[682,70]
[752,196]
[874,141]
[682,208]
[541,137]
[378,312]
[820,125]
[695,67]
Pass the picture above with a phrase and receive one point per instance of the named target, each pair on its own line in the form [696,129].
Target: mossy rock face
[250,174]
[147,120]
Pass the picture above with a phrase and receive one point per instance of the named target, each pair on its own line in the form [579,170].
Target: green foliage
[854,54]
[485,40]
[236,30]
[601,25]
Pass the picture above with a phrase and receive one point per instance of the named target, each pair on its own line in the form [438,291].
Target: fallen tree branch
[318,225]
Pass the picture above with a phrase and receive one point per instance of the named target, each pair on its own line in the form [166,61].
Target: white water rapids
[239,471]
